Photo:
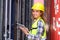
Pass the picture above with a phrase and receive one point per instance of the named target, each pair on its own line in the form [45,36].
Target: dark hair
[42,16]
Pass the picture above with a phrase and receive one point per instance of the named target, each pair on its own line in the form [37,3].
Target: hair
[42,16]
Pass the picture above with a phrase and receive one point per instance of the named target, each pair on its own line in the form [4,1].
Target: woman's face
[36,14]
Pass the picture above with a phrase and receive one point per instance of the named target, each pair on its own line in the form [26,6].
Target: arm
[25,30]
[40,27]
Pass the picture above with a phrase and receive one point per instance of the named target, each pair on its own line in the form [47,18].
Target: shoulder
[40,23]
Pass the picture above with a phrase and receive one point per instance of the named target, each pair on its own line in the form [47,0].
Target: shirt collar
[37,19]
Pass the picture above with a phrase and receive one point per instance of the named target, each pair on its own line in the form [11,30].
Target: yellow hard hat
[38,6]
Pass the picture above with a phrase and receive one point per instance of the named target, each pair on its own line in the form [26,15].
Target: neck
[36,18]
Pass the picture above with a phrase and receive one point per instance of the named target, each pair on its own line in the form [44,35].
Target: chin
[35,17]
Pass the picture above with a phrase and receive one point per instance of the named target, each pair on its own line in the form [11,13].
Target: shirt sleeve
[40,27]
[30,36]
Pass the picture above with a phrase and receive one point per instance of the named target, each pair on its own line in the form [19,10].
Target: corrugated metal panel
[21,13]
[1,16]
[6,20]
[47,15]
[47,9]
[23,16]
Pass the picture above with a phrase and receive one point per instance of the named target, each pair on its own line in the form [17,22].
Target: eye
[33,11]
[37,11]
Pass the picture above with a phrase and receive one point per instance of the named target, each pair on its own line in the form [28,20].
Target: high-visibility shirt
[34,28]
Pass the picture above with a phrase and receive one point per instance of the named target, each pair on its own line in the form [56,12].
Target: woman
[38,24]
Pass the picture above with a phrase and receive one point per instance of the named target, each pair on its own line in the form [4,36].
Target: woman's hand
[25,30]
